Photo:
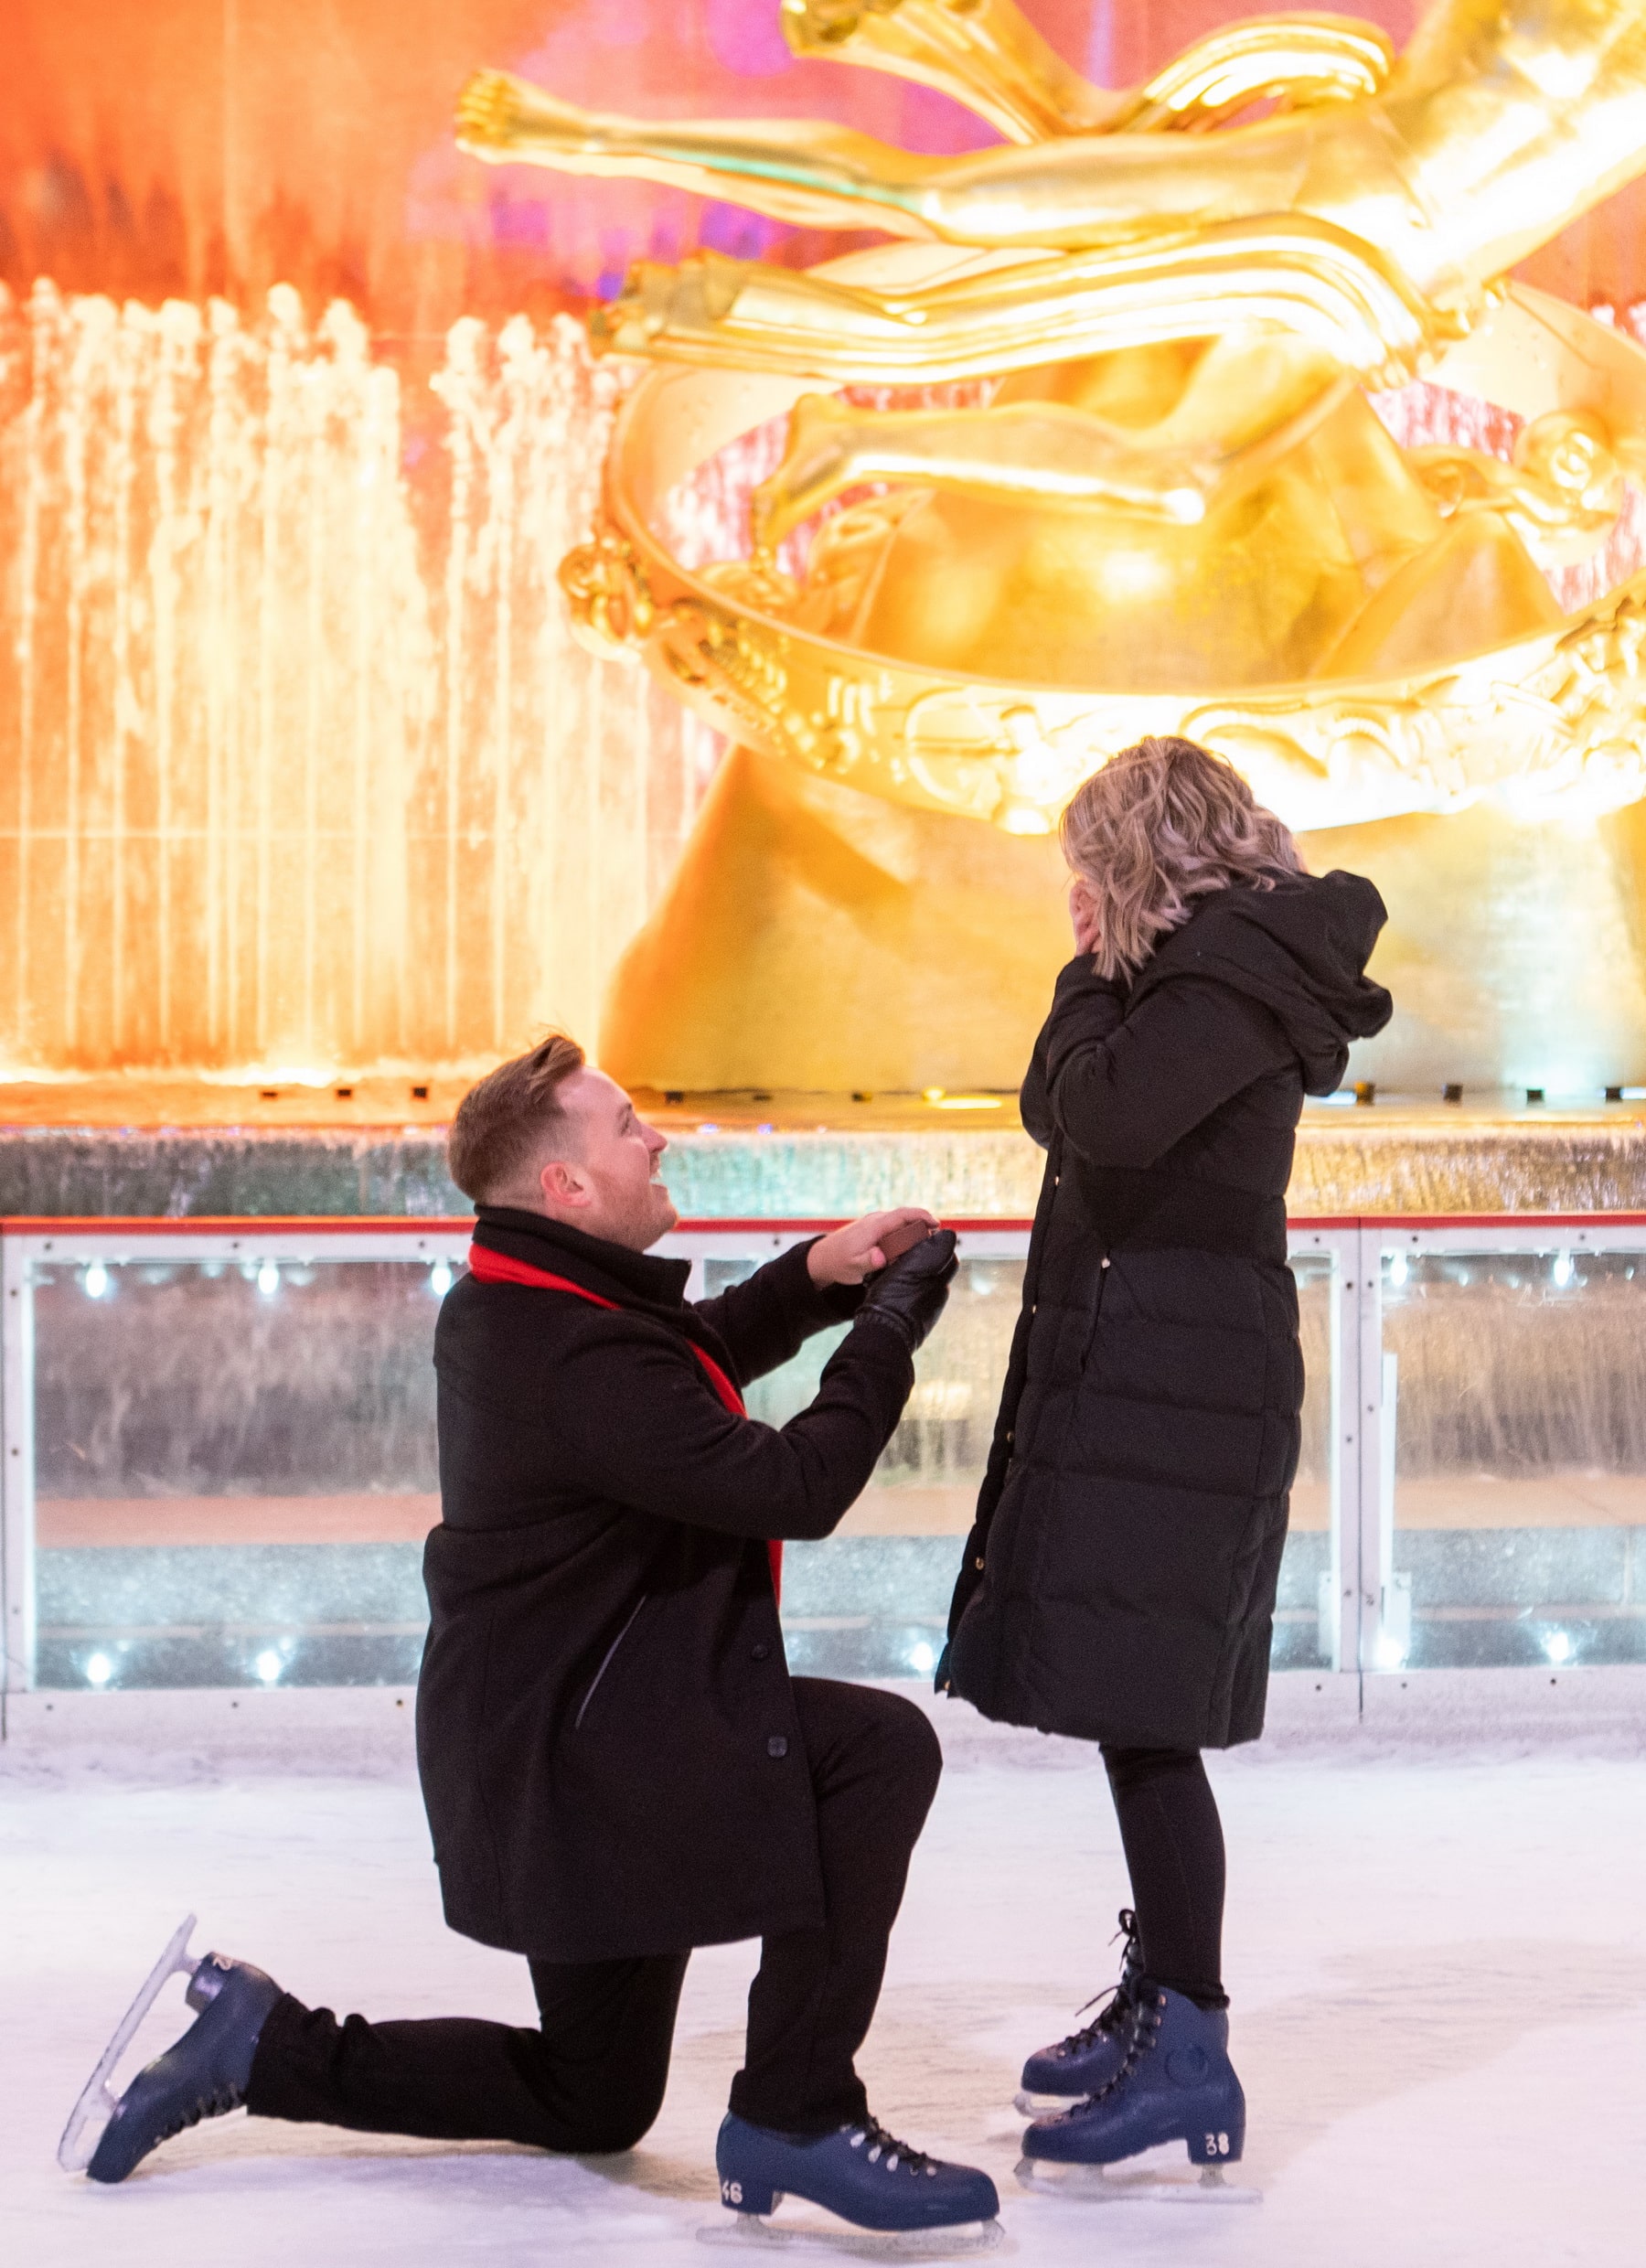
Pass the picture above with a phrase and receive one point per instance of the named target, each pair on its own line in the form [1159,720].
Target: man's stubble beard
[663,1213]
[651,1217]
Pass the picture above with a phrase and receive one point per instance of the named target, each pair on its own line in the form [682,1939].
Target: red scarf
[495,1267]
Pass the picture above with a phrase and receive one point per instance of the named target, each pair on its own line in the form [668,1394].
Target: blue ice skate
[858,2172]
[1175,2085]
[200,2076]
[1085,2062]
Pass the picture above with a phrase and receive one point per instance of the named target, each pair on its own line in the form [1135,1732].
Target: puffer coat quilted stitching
[1119,1582]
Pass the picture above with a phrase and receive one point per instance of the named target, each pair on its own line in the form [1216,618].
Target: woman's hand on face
[1083,914]
[847,1254]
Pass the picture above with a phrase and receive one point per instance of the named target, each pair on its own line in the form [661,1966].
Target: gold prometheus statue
[1144,488]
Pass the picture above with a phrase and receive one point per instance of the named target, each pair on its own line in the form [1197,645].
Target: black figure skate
[201,2075]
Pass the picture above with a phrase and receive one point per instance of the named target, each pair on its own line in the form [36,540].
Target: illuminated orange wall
[193,146]
[297,766]
[222,145]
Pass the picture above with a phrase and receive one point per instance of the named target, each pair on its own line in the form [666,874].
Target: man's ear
[563,1184]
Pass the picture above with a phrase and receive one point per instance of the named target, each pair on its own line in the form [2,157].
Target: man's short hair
[501,1123]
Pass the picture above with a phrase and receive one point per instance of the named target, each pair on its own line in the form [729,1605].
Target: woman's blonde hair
[1162,825]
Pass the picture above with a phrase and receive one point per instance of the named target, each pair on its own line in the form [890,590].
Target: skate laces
[222,2098]
[883,2149]
[1108,2018]
[1116,1997]
[1145,2017]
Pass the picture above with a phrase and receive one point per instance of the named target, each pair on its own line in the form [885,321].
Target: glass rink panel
[872,1600]
[228,1465]
[235,1470]
[1514,1453]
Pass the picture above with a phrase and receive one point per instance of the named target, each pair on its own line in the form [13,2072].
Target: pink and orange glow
[301,775]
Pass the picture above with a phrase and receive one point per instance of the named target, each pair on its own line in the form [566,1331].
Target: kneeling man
[616,1763]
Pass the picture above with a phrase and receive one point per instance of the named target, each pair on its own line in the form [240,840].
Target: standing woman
[1119,1582]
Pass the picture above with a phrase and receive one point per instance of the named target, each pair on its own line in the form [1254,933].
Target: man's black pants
[592,2078]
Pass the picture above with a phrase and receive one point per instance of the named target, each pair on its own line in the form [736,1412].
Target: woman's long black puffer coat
[1119,1582]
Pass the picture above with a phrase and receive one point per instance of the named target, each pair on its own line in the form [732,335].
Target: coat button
[1105,1263]
[759,1653]
[776,1745]
[978,1565]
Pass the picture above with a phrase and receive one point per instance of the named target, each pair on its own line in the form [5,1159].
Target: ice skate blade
[84,2130]
[1042,2106]
[754,2228]
[1133,2185]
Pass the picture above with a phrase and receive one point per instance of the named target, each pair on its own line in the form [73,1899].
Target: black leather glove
[910,1295]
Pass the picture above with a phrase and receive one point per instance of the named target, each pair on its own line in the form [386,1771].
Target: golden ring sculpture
[1550,712]
[1144,489]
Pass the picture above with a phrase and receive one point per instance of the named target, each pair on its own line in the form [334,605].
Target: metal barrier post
[1366,1558]
[16,1467]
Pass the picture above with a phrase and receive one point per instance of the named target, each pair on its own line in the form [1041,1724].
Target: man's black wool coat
[1119,1582]
[605,1732]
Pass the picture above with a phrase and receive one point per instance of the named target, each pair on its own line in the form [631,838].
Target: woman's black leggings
[1174,1853]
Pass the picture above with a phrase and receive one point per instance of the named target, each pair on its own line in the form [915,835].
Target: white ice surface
[1439,1968]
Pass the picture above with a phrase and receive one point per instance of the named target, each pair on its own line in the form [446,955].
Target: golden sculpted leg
[1291,274]
[985,53]
[1545,144]
[1248,400]
[1180,491]
[1293,60]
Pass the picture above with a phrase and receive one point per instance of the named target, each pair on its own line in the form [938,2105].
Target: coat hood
[1300,950]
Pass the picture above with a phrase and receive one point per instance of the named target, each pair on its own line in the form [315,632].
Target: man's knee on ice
[912,1752]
